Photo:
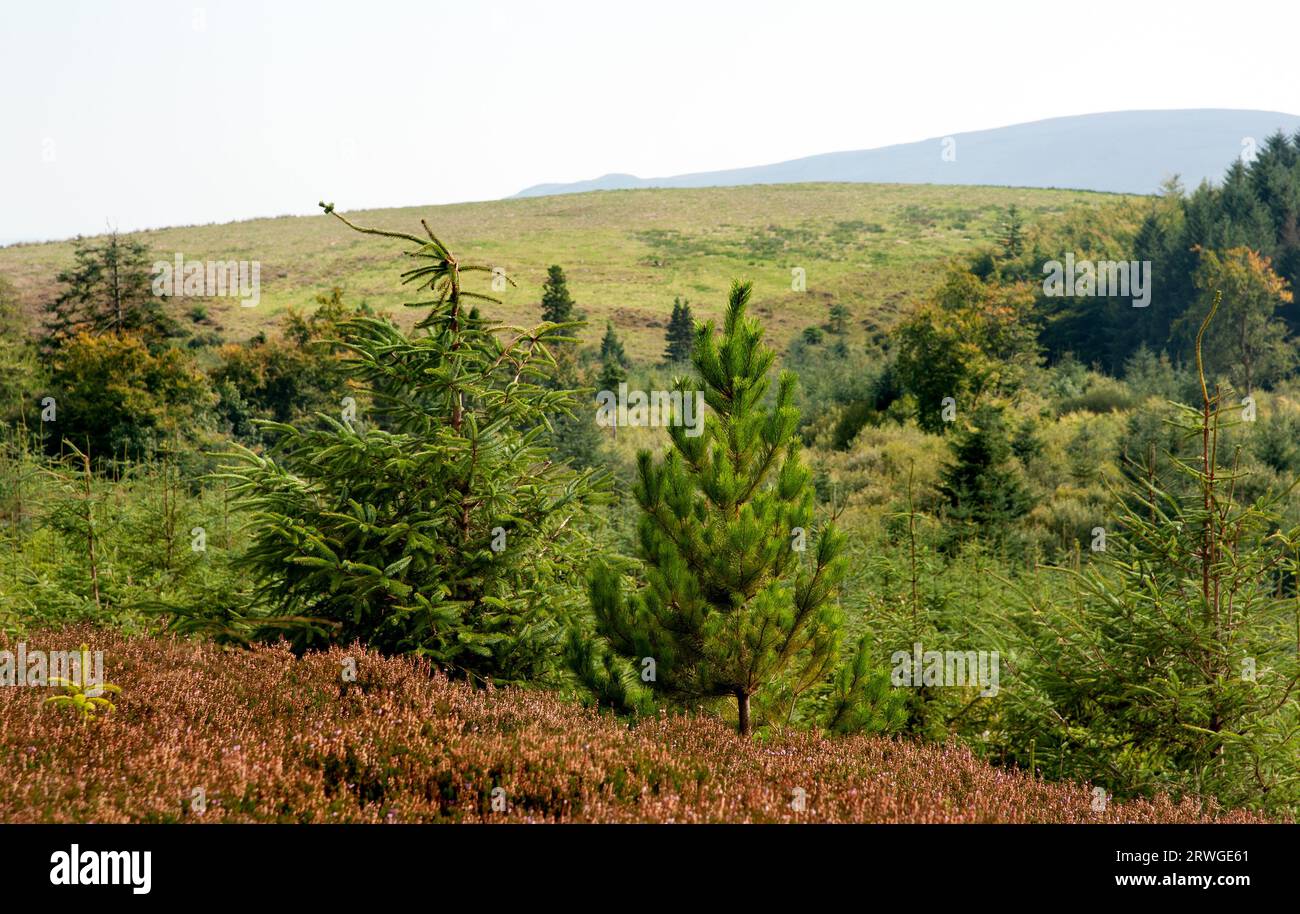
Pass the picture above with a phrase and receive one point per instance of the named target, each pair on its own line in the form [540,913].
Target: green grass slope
[626,253]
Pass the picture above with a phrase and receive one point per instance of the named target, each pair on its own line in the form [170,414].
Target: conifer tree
[983,489]
[838,319]
[680,335]
[1012,240]
[739,588]
[557,303]
[610,377]
[575,436]
[108,290]
[431,518]
[611,347]
[1174,667]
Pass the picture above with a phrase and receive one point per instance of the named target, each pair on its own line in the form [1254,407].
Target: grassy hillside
[269,738]
[627,253]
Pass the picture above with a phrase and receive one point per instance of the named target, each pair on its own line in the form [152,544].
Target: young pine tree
[611,347]
[1012,238]
[557,303]
[983,488]
[838,319]
[680,335]
[739,590]
[430,516]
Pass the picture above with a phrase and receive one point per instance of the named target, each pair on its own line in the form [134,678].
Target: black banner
[332,863]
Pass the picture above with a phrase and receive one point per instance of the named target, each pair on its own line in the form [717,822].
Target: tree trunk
[742,707]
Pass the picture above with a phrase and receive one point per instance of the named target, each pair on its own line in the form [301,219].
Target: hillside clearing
[626,253]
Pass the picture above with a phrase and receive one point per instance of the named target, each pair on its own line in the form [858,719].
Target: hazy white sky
[152,113]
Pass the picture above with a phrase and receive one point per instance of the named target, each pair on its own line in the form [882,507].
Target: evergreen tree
[611,375]
[108,290]
[611,347]
[432,519]
[1173,666]
[576,436]
[839,319]
[557,303]
[1012,239]
[732,603]
[680,336]
[982,486]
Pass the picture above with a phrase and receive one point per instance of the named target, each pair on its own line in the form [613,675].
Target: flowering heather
[270,738]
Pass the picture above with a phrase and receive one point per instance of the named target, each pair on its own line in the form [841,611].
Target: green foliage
[1012,237]
[611,375]
[108,290]
[1118,668]
[435,522]
[81,695]
[1196,244]
[731,604]
[611,348]
[115,396]
[20,373]
[557,303]
[838,319]
[973,341]
[1150,375]
[80,545]
[610,680]
[286,379]
[680,335]
[1249,342]
[982,485]
[1174,664]
[862,697]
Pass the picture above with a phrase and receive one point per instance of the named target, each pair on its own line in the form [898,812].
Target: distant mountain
[1120,151]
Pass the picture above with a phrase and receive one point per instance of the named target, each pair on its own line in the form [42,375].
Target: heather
[270,737]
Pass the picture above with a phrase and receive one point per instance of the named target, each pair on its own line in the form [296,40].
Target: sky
[144,113]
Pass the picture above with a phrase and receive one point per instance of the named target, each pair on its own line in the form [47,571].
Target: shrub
[435,522]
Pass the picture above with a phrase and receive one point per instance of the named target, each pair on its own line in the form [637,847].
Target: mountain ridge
[1129,152]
